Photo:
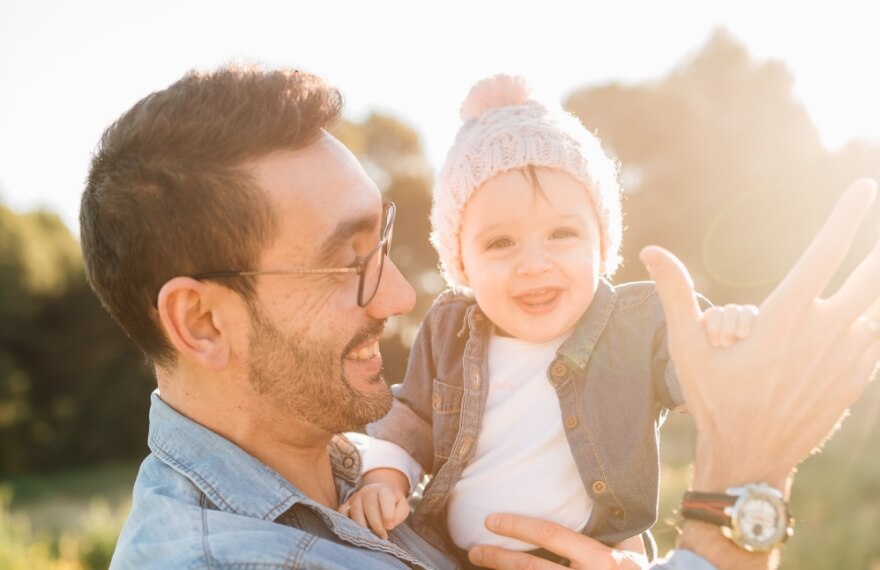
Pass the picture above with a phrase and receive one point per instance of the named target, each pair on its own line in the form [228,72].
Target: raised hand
[764,404]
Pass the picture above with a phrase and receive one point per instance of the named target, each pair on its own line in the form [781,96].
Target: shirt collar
[232,479]
[582,341]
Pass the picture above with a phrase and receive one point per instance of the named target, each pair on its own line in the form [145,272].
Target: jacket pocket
[446,409]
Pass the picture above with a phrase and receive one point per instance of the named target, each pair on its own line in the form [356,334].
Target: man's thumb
[676,290]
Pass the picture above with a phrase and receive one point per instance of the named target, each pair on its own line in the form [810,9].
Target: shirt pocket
[446,409]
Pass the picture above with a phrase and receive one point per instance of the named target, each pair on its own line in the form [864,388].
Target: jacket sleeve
[409,423]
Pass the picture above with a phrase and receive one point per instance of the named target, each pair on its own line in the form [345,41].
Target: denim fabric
[202,502]
[614,380]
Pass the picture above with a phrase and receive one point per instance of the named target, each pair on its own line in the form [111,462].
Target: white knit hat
[504,129]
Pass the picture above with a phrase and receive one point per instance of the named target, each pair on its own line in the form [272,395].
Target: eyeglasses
[368,268]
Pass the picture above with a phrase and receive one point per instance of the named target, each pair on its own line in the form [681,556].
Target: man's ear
[192,319]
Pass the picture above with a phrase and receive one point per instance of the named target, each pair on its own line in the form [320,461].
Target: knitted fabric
[504,129]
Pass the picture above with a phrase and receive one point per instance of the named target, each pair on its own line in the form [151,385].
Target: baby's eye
[562,233]
[500,243]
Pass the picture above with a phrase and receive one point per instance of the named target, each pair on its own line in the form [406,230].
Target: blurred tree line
[720,163]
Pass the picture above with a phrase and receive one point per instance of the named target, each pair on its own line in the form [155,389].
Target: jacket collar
[232,479]
[579,346]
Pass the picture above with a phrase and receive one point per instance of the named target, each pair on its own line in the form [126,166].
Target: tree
[720,163]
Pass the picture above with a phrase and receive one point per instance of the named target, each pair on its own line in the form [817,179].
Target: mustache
[373,330]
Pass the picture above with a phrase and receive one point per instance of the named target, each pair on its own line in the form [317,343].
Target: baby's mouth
[538,297]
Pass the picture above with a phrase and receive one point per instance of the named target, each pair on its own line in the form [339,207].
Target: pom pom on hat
[496,91]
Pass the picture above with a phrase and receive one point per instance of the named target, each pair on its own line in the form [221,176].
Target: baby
[534,386]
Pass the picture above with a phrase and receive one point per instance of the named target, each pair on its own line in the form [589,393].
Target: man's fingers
[548,535]
[861,290]
[501,558]
[817,265]
[676,290]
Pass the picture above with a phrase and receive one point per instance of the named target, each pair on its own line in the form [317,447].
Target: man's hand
[581,551]
[764,404]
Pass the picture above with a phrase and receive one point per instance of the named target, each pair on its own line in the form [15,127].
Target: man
[244,250]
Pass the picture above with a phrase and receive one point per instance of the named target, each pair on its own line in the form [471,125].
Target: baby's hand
[378,507]
[728,324]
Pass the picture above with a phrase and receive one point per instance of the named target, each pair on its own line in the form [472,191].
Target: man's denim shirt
[202,502]
[614,380]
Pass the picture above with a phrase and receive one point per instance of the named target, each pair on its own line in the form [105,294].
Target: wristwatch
[755,516]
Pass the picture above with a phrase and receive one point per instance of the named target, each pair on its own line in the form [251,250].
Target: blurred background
[736,128]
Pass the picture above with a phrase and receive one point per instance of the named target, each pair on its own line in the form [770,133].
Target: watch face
[759,520]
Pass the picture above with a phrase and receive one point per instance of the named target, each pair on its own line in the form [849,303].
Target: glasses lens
[372,275]
[375,262]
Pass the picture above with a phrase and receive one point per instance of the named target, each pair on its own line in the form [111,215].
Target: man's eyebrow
[344,231]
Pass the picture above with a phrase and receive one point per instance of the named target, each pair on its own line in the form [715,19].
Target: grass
[70,521]
[63,521]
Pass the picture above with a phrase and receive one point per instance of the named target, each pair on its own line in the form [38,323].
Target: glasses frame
[389,211]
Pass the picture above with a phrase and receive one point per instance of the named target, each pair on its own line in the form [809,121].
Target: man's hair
[168,195]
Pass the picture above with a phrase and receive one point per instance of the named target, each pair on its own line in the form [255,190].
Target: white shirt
[522,463]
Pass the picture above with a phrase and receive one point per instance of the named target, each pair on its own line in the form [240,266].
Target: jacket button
[559,370]
[465,447]
[436,400]
[599,487]
[571,422]
[474,381]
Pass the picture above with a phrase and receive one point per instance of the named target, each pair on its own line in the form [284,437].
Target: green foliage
[69,379]
[721,164]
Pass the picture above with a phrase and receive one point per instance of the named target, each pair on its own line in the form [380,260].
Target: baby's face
[532,256]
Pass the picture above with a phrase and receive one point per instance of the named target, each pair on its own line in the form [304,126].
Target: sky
[68,69]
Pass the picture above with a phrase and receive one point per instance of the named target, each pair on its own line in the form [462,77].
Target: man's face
[312,352]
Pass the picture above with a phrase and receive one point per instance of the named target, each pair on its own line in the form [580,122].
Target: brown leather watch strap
[707,507]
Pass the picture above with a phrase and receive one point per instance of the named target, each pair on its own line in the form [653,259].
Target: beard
[305,378]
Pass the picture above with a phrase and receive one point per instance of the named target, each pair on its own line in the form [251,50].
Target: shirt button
[436,400]
[617,512]
[571,422]
[599,487]
[559,371]
[348,462]
[478,317]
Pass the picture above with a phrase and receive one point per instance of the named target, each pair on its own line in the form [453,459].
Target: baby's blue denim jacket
[202,502]
[615,383]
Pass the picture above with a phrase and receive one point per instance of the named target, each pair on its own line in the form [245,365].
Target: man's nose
[395,296]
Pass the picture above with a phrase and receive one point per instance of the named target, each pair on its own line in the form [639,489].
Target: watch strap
[707,507]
